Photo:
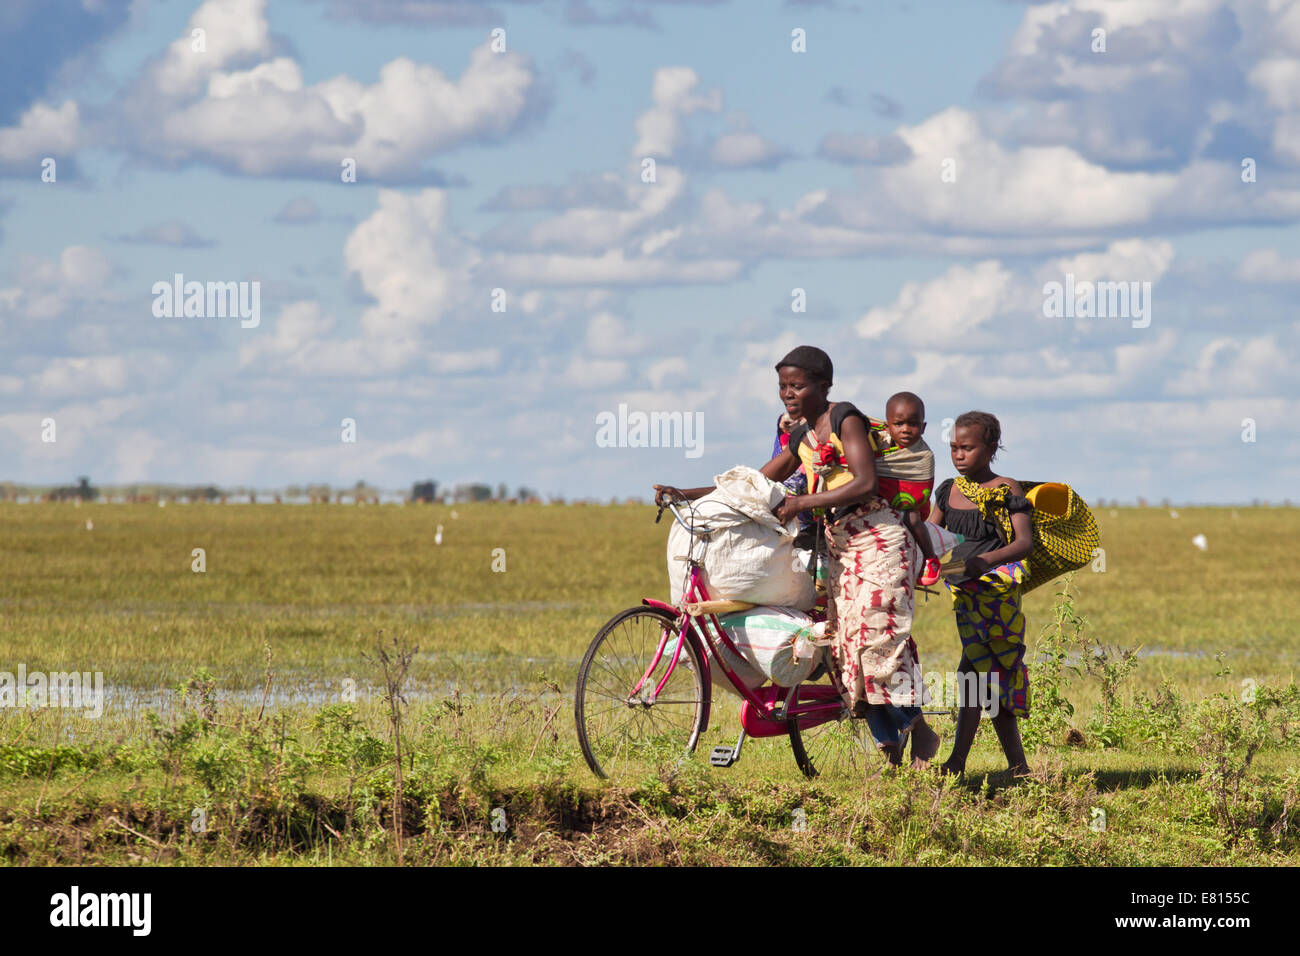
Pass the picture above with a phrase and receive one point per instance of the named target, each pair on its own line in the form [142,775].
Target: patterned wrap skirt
[873,562]
[991,626]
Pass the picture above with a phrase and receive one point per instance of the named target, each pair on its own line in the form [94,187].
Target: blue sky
[520,170]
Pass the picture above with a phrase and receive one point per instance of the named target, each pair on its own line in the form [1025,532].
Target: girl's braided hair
[989,427]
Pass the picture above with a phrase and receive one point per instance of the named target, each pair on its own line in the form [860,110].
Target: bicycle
[644,690]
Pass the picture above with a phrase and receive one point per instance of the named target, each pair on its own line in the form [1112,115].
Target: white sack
[750,555]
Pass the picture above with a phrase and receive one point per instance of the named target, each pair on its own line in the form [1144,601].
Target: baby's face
[904,424]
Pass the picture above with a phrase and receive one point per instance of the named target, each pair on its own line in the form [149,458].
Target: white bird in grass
[437,535]
[1200,541]
[90,526]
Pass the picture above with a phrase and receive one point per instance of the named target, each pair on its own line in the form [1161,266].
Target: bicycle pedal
[722,756]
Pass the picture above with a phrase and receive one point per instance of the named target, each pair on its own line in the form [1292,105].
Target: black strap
[839,412]
[843,410]
[796,437]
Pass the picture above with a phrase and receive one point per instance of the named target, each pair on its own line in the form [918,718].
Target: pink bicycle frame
[761,717]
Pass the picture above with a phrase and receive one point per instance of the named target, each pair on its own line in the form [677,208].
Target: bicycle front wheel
[625,729]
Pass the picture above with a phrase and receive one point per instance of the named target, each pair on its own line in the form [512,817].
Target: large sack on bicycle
[765,638]
[750,555]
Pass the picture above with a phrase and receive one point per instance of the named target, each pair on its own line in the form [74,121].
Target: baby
[905,471]
[905,468]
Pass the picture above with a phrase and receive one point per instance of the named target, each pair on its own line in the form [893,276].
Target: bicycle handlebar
[698,532]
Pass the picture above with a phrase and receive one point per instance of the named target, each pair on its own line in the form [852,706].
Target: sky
[564,208]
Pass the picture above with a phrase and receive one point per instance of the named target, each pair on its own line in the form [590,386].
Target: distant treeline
[421,491]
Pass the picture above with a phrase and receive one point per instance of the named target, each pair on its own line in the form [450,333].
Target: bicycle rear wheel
[623,734]
[837,748]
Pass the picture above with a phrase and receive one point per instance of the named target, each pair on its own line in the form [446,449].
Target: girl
[872,557]
[993,514]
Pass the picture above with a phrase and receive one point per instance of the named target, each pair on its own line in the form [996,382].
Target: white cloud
[299,211]
[82,376]
[461,363]
[298,326]
[666,370]
[1131,260]
[265,120]
[593,228]
[47,288]
[298,342]
[1236,366]
[1049,192]
[948,307]
[609,337]
[84,267]
[1279,79]
[41,131]
[1265,265]
[78,423]
[659,129]
[745,149]
[232,30]
[587,373]
[999,190]
[135,455]
[408,258]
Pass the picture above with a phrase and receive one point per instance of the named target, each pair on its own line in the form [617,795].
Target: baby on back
[905,472]
[905,466]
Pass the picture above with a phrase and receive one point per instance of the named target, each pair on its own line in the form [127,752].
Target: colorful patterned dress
[990,621]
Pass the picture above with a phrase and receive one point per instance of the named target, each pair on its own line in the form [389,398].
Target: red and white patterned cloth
[873,565]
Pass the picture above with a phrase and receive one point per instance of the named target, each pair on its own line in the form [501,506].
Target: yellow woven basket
[1065,532]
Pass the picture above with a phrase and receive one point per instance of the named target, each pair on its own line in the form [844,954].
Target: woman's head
[976,438]
[804,378]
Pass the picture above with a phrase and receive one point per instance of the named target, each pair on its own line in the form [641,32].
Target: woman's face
[801,391]
[969,452]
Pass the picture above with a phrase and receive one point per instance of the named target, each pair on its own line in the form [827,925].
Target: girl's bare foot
[925,744]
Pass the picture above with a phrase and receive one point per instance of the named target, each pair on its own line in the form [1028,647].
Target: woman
[872,557]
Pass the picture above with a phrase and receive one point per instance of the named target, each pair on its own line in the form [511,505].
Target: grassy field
[298,599]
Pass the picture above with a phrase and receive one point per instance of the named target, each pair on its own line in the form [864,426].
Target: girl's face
[801,391]
[970,454]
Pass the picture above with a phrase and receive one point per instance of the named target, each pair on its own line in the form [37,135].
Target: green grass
[490,719]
